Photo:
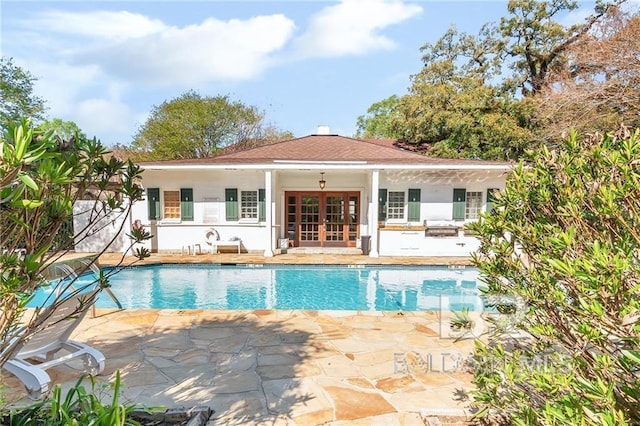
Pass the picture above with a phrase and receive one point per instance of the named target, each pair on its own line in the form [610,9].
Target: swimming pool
[372,288]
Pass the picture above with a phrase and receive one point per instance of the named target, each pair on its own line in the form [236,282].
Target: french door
[322,219]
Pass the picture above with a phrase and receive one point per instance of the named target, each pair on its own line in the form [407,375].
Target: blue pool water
[378,288]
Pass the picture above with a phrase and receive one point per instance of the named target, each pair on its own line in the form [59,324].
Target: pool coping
[109,259]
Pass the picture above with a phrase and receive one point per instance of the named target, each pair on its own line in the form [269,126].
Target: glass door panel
[309,218]
[353,218]
[292,220]
[334,218]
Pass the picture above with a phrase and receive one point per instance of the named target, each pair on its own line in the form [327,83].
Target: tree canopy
[600,87]
[484,96]
[61,129]
[17,99]
[376,123]
[462,117]
[195,126]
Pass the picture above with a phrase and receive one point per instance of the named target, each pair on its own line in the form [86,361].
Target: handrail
[94,268]
[71,272]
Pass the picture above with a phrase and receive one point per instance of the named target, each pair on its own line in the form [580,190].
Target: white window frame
[403,208]
[241,207]
[165,219]
[472,211]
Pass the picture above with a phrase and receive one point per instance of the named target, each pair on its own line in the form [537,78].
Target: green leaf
[633,356]
[27,180]
[26,204]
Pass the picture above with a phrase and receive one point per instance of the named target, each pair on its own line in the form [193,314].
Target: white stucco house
[318,192]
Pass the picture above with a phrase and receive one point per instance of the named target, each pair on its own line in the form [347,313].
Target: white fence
[93,235]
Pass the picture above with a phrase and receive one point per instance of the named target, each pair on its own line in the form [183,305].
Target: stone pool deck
[280,367]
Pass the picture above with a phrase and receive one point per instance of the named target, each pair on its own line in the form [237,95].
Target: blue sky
[105,65]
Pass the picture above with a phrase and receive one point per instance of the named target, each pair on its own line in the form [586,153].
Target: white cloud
[93,67]
[86,96]
[99,24]
[88,64]
[353,27]
[146,51]
[60,83]
[211,51]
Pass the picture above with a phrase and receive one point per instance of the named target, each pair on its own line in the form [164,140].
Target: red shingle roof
[323,148]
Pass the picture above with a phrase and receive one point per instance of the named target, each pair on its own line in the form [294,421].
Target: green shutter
[414,205]
[231,203]
[459,203]
[491,198]
[186,203]
[262,211]
[382,204]
[153,203]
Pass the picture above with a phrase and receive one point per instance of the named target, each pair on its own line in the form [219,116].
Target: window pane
[395,205]
[473,205]
[171,205]
[248,204]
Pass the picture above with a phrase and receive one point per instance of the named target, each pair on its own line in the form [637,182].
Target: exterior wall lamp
[322,182]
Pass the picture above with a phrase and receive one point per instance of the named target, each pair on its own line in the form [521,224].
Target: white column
[126,242]
[373,221]
[268,205]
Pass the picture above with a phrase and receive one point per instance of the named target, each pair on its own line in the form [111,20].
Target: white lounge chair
[21,252]
[50,346]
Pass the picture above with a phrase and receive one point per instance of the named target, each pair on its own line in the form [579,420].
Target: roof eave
[328,165]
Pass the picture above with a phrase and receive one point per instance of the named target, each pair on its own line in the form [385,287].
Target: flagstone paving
[259,367]
[279,367]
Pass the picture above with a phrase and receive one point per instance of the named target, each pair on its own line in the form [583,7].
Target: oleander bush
[41,178]
[78,406]
[564,238]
